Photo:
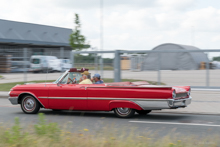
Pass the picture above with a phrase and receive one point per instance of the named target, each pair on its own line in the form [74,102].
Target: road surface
[157,123]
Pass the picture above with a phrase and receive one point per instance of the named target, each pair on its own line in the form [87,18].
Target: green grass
[8,86]
[1,76]
[93,68]
[51,134]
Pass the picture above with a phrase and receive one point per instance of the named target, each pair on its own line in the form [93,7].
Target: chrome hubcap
[29,104]
[123,111]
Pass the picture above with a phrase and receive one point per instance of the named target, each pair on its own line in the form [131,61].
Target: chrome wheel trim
[123,111]
[29,104]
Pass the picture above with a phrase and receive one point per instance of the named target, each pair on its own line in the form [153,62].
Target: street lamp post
[101,37]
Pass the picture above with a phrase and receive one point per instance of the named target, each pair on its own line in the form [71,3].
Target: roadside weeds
[50,134]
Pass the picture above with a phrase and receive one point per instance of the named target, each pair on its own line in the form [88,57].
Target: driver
[71,79]
[86,78]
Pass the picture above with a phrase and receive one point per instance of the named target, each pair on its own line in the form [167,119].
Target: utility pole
[101,37]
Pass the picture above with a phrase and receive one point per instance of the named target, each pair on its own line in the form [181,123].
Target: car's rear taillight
[174,94]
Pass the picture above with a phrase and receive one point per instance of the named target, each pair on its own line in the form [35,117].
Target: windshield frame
[61,77]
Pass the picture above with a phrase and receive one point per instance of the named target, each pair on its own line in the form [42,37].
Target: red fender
[125,104]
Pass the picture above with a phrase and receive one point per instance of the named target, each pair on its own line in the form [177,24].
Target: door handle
[83,87]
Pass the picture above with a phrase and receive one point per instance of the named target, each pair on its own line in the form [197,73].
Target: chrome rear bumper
[156,104]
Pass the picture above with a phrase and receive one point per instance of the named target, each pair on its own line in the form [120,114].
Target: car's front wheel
[124,112]
[30,105]
[143,112]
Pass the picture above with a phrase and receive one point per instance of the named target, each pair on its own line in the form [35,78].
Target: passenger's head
[97,77]
[86,75]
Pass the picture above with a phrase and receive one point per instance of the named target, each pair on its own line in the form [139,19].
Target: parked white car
[44,63]
[65,64]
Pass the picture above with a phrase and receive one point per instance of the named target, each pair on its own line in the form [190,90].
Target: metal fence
[204,78]
[18,60]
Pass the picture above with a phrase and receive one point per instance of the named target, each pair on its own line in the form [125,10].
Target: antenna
[47,68]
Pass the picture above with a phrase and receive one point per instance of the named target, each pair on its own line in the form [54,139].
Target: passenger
[86,78]
[97,79]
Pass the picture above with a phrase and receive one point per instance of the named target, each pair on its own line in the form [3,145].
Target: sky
[127,24]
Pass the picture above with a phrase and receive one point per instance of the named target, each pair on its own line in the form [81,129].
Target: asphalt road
[155,123]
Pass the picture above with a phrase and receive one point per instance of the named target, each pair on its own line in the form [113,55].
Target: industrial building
[18,39]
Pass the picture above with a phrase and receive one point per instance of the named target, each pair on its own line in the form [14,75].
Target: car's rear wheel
[143,112]
[124,112]
[30,105]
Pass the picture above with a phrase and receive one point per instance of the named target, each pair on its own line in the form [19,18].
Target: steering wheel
[70,81]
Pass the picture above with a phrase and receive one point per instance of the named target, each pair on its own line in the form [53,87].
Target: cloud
[178,5]
[128,24]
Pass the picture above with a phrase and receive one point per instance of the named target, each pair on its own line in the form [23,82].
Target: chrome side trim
[144,103]
[13,100]
[92,98]
[62,98]
[133,99]
[32,95]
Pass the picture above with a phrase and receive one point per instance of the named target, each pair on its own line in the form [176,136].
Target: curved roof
[196,56]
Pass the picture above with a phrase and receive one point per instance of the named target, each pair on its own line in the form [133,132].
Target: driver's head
[85,75]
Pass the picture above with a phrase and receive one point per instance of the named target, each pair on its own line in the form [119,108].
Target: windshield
[75,76]
[61,77]
[35,61]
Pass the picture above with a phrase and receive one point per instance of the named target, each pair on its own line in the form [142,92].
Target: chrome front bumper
[155,104]
[13,100]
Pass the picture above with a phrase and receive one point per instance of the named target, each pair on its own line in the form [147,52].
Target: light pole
[101,36]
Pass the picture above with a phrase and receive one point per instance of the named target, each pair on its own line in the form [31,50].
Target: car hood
[30,86]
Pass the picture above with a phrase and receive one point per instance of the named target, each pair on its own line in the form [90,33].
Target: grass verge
[50,134]
[93,68]
[8,86]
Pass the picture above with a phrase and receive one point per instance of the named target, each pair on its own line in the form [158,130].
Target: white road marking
[9,106]
[170,123]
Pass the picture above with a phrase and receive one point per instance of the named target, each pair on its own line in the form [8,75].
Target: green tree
[77,41]
[216,58]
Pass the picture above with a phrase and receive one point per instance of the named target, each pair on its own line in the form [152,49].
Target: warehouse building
[18,39]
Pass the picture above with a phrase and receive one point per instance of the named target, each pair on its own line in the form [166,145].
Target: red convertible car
[124,98]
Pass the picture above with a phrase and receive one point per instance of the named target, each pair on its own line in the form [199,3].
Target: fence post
[71,58]
[24,64]
[61,57]
[158,73]
[207,74]
[96,64]
[101,66]
[117,67]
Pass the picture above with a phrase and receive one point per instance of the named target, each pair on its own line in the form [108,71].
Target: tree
[216,58]
[77,41]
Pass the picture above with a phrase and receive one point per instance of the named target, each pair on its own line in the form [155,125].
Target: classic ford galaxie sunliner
[124,98]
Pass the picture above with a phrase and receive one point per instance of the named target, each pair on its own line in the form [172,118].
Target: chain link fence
[117,64]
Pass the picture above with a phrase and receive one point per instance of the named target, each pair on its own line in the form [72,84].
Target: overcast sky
[128,24]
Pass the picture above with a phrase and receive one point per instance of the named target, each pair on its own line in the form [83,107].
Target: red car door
[68,96]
